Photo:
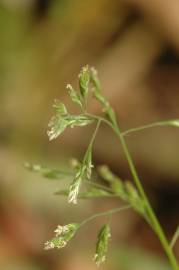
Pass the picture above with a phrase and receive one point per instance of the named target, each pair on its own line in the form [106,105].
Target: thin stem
[92,140]
[155,223]
[102,119]
[152,125]
[100,186]
[174,238]
[106,213]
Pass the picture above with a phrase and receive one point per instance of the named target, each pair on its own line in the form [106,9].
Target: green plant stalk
[111,121]
[92,140]
[174,238]
[155,223]
[141,128]
[97,185]
[106,213]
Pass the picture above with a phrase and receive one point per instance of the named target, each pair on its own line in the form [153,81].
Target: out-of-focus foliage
[128,258]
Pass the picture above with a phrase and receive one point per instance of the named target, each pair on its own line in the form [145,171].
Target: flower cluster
[84,170]
[63,235]
[62,119]
[74,187]
[102,244]
[131,193]
[124,189]
[84,79]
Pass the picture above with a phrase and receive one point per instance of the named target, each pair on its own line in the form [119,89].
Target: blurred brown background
[134,44]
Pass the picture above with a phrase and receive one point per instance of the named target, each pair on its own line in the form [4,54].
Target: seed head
[102,244]
[49,245]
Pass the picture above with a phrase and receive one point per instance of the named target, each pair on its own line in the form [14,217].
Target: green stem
[101,187]
[175,237]
[152,125]
[106,213]
[155,223]
[99,118]
[113,123]
[92,140]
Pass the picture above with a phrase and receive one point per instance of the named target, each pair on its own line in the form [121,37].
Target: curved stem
[102,119]
[152,125]
[100,186]
[92,140]
[155,223]
[106,213]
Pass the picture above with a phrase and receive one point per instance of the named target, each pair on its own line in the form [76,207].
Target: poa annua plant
[131,192]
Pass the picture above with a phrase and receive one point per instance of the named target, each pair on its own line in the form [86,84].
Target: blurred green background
[134,44]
